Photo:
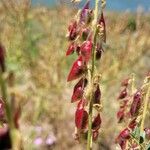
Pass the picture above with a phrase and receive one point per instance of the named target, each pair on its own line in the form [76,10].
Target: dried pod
[5,140]
[81,118]
[99,51]
[136,104]
[71,49]
[123,94]
[96,124]
[123,137]
[84,12]
[120,115]
[132,124]
[86,49]
[2,58]
[78,90]
[97,95]
[73,30]
[77,69]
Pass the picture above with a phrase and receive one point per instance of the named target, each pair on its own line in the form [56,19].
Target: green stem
[5,99]
[89,140]
[145,109]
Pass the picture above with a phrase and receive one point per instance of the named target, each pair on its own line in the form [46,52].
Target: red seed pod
[125,134]
[86,49]
[78,90]
[136,104]
[99,51]
[81,118]
[5,140]
[147,132]
[122,143]
[2,110]
[73,30]
[97,96]
[2,58]
[102,26]
[84,12]
[77,69]
[96,124]
[71,49]
[123,137]
[132,124]
[123,94]
[82,103]
[120,115]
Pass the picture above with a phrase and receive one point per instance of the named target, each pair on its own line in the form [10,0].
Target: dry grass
[36,45]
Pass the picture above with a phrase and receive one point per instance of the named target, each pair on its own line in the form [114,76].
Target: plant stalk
[145,109]
[89,140]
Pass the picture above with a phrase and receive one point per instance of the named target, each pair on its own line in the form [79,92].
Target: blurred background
[34,36]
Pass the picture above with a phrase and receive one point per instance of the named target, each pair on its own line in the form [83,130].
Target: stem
[89,140]
[145,109]
[5,99]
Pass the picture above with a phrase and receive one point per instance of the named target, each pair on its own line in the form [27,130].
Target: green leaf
[142,137]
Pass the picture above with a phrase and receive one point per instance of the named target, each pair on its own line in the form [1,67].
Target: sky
[117,5]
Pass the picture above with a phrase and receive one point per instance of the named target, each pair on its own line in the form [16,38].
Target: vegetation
[34,39]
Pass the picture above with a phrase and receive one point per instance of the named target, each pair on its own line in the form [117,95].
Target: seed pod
[77,69]
[132,124]
[96,124]
[5,140]
[120,115]
[97,95]
[123,94]
[73,31]
[136,104]
[123,137]
[2,58]
[81,118]
[86,49]
[99,51]
[71,49]
[78,90]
